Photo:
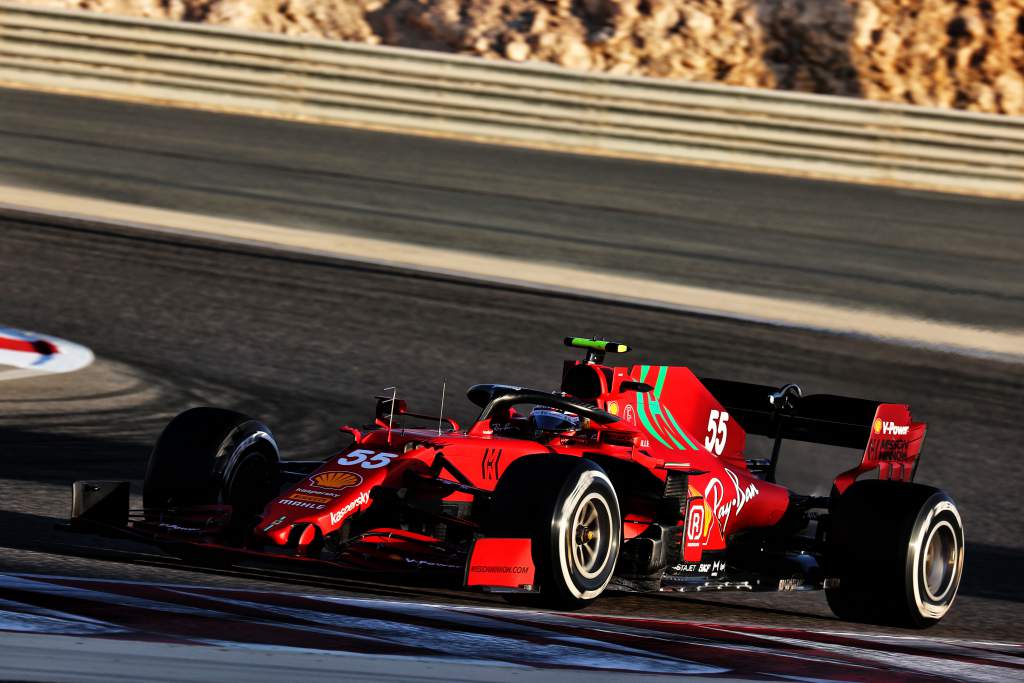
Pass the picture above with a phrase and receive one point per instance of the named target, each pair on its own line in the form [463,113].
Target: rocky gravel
[967,54]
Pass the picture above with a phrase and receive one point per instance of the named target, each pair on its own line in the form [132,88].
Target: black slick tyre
[897,551]
[568,508]
[210,456]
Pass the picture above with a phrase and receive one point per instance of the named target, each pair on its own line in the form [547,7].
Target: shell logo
[878,425]
[336,480]
[613,407]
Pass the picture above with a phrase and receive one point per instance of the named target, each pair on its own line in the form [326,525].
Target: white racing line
[1007,345]
[30,354]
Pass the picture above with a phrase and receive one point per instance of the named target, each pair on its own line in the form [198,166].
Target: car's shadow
[48,536]
[991,570]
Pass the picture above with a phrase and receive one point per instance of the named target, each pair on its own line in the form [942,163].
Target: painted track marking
[29,354]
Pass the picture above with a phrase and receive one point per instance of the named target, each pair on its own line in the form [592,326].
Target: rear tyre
[898,552]
[211,456]
[568,508]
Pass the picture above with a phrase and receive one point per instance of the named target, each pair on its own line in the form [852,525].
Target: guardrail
[531,104]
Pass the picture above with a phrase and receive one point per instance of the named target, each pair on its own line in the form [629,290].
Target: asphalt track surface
[304,342]
[936,256]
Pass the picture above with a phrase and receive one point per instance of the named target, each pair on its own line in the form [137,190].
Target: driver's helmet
[547,421]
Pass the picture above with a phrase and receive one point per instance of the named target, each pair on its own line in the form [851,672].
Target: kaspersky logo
[890,428]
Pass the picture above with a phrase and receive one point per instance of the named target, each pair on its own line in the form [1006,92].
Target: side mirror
[642,387]
[384,407]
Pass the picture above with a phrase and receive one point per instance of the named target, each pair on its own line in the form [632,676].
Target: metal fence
[531,104]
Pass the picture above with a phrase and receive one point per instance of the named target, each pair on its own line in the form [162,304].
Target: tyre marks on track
[201,615]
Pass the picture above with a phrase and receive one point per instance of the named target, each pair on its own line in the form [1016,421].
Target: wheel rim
[941,551]
[590,535]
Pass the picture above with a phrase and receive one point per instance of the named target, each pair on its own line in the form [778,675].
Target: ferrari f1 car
[625,478]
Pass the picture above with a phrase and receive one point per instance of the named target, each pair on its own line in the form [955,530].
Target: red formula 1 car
[627,478]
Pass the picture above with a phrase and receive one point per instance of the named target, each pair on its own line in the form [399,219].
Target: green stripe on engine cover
[646,419]
[641,409]
[680,429]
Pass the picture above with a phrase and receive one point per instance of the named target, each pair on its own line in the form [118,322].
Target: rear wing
[890,440]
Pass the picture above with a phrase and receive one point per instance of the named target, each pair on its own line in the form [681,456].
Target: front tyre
[207,456]
[568,508]
[898,552]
